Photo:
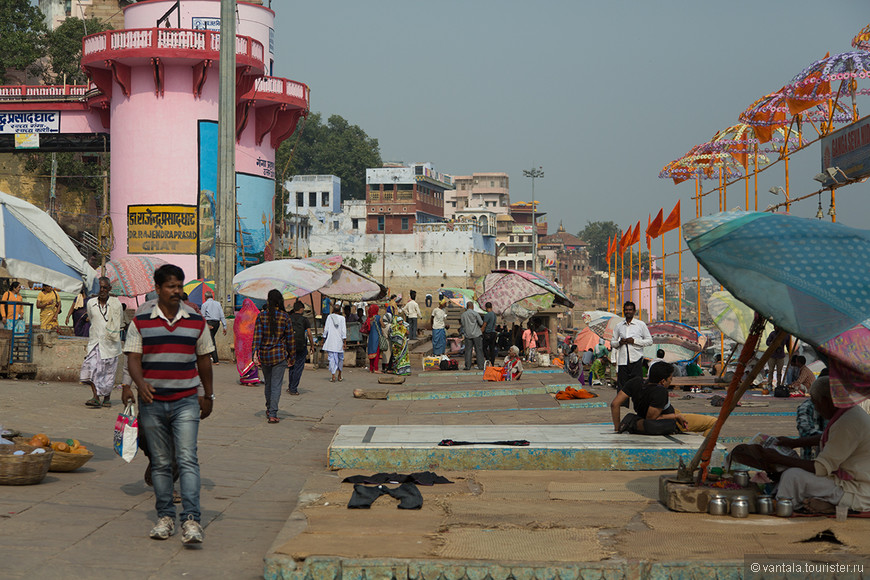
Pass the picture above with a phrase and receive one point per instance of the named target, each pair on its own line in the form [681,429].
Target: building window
[324,198]
[528,264]
[492,183]
[355,223]
[380,223]
[335,225]
[512,238]
[312,199]
[404,223]
[300,199]
[375,195]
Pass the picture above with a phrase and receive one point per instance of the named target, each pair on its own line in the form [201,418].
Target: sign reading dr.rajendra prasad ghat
[161,229]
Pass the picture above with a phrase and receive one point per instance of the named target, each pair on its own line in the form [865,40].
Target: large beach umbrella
[519,294]
[352,285]
[601,322]
[680,342]
[35,248]
[809,277]
[294,278]
[586,339]
[732,317]
[198,288]
[132,275]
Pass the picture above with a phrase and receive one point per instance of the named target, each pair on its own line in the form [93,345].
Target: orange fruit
[45,441]
[73,443]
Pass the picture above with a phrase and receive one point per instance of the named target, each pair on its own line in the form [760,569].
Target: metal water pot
[717,506]
[784,507]
[741,478]
[764,505]
[740,507]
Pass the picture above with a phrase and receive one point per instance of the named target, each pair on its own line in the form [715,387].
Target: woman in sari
[373,346]
[386,349]
[48,303]
[243,335]
[439,328]
[399,342]
[79,312]
[572,364]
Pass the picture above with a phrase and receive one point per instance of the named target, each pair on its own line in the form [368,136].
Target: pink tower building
[157,82]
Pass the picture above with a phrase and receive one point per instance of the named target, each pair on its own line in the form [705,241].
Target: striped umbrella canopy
[680,342]
[601,322]
[809,277]
[132,275]
[519,294]
[294,278]
[732,317]
[197,289]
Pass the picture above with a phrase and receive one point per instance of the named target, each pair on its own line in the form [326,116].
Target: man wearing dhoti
[104,345]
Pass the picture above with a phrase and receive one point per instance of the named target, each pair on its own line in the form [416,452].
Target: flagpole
[608,282]
[680,256]
[639,281]
[698,279]
[650,284]
[630,271]
[664,284]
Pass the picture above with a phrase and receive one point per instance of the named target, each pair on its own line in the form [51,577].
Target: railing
[279,86]
[168,38]
[25,91]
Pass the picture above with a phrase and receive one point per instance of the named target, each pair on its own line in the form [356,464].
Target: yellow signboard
[161,229]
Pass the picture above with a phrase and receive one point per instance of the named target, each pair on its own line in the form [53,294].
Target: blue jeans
[163,423]
[296,371]
[273,376]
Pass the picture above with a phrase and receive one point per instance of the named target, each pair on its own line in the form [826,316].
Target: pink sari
[243,331]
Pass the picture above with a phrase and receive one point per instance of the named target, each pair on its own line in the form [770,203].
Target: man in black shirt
[302,336]
[653,412]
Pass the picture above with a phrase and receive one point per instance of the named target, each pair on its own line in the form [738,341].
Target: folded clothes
[572,393]
[420,478]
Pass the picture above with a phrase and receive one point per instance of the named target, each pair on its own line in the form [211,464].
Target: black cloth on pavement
[420,478]
[514,443]
[364,496]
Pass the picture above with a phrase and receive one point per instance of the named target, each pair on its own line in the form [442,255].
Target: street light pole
[226,178]
[534,173]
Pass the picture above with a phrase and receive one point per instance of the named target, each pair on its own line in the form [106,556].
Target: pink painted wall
[81,122]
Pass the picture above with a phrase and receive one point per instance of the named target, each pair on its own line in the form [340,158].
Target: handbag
[126,434]
[384,341]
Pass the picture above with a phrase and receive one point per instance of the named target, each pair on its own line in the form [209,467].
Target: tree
[597,234]
[22,37]
[64,45]
[78,172]
[335,148]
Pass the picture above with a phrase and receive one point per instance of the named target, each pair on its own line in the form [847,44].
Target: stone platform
[408,448]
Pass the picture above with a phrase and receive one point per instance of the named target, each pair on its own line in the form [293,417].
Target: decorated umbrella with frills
[814,84]
[772,111]
[861,41]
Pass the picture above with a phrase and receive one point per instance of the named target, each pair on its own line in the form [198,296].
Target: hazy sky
[601,94]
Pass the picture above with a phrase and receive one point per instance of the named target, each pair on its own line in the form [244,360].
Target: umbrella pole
[736,389]
[755,178]
[730,356]
[680,270]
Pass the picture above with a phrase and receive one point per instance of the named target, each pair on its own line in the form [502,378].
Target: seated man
[805,376]
[653,412]
[839,477]
[717,367]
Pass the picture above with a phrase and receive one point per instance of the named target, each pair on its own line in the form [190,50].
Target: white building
[489,191]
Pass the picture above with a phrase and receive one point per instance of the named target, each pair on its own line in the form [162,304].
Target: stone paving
[257,479]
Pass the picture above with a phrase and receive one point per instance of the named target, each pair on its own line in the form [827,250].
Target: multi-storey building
[565,259]
[489,191]
[110,12]
[397,197]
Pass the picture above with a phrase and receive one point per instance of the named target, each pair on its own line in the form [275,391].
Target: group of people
[47,301]
[387,337]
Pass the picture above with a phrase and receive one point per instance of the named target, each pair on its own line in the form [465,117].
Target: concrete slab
[561,447]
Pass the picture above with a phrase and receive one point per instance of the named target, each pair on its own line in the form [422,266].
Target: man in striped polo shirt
[165,348]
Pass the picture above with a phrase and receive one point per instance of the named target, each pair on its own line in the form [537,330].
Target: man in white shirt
[104,345]
[213,313]
[629,339]
[412,312]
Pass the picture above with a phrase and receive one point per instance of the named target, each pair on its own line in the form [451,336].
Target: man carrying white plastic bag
[169,355]
[127,433]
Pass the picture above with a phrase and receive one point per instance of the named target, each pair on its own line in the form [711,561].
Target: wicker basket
[61,461]
[23,469]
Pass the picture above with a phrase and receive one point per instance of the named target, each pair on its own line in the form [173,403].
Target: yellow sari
[49,308]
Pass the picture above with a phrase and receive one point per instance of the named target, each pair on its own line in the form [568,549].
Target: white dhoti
[336,361]
[799,485]
[99,372]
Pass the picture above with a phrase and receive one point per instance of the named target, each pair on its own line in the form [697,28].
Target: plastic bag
[127,433]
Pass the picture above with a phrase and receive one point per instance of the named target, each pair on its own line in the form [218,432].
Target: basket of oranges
[69,454]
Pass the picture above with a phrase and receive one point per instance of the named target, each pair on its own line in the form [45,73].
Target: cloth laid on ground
[514,443]
[496,374]
[408,495]
[572,393]
[557,362]
[420,478]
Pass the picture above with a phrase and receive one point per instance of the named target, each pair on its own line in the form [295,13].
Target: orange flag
[635,237]
[614,245]
[653,229]
[609,249]
[648,239]
[623,243]
[673,221]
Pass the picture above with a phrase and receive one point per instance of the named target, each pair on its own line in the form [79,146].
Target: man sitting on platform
[653,412]
[839,477]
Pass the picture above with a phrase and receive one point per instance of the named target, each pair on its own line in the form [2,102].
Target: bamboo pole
[640,281]
[698,279]
[756,178]
[664,283]
[680,269]
[650,281]
[736,389]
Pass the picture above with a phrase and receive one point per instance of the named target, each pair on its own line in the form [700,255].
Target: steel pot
[740,507]
[784,507]
[717,506]
[764,505]
[741,478]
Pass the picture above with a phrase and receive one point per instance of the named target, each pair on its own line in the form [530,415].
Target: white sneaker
[191,532]
[165,527]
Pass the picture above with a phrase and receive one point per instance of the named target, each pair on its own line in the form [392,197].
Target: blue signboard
[848,152]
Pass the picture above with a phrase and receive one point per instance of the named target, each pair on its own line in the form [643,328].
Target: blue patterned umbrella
[809,277]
